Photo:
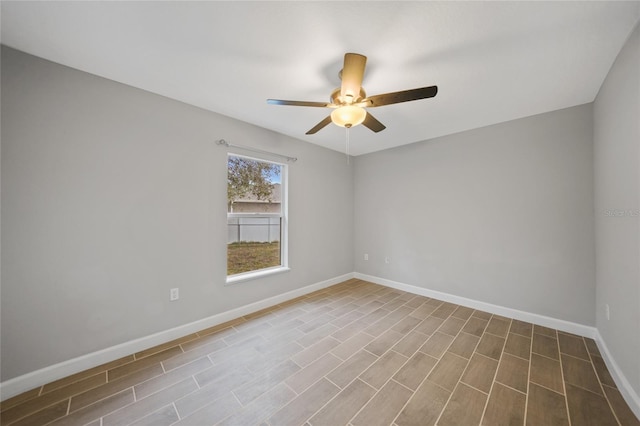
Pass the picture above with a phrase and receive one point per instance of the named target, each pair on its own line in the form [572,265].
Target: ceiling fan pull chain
[347,148]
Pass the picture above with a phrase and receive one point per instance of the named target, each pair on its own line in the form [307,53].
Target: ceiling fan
[350,100]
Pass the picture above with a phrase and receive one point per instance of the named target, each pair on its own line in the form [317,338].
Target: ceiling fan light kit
[350,100]
[348,116]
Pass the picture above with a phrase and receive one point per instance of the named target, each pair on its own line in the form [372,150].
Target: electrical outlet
[174,294]
[607,311]
[387,259]
[366,256]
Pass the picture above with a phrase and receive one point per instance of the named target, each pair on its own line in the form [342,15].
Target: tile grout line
[105,371]
[564,386]
[573,356]
[526,400]
[533,332]
[493,380]
[553,359]
[42,393]
[444,406]
[606,398]
[309,387]
[96,401]
[173,403]
[551,390]
[476,389]
[376,391]
[41,408]
[400,384]
[242,407]
[105,414]
[192,392]
[515,390]
[592,367]
[287,385]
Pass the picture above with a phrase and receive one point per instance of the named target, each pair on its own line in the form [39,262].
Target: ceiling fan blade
[298,103]
[398,97]
[352,74]
[372,123]
[319,126]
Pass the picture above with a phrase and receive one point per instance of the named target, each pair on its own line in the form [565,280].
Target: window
[256,217]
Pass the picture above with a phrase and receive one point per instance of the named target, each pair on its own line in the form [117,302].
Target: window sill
[234,279]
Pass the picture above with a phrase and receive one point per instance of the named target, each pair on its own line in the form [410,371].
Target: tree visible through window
[255,218]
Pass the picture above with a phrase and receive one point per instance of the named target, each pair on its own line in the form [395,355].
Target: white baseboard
[558,324]
[628,393]
[48,374]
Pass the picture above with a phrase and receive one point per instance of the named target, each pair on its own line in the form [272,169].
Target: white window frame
[284,225]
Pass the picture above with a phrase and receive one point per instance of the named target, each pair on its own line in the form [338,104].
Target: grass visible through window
[251,256]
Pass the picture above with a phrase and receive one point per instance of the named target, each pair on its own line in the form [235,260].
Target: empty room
[326,213]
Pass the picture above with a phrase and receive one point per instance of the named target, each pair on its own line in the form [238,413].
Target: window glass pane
[253,186]
[254,222]
[254,243]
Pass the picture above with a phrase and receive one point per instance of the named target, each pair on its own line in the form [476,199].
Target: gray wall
[112,195]
[617,203]
[501,214]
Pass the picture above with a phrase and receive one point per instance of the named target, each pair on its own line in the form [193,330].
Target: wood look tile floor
[353,354]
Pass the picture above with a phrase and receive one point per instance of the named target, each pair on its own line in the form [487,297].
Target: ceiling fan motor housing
[335,97]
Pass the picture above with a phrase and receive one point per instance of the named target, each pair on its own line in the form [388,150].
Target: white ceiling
[492,61]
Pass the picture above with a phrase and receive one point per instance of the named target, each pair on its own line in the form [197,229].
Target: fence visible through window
[253,228]
[253,242]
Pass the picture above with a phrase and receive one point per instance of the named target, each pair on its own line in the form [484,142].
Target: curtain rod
[248,148]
